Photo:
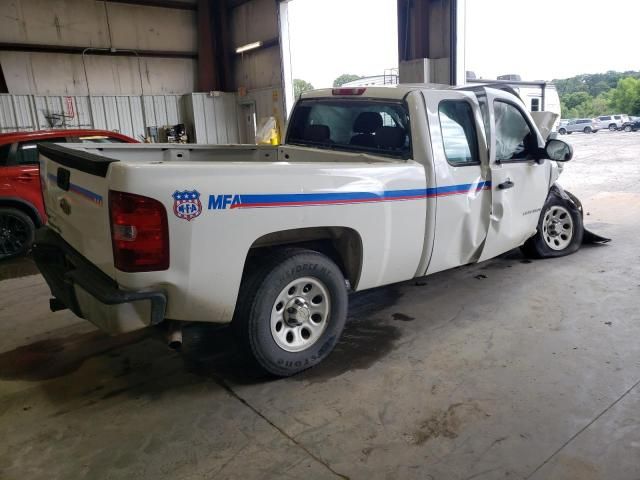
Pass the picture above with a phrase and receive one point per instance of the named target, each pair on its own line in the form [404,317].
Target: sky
[538,39]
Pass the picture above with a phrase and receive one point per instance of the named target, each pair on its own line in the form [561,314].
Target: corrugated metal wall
[123,113]
[211,118]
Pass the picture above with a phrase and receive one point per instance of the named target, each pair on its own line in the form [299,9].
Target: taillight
[348,91]
[139,233]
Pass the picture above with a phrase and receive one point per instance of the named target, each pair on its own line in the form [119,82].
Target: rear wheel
[587,130]
[562,131]
[613,127]
[17,232]
[291,311]
[560,230]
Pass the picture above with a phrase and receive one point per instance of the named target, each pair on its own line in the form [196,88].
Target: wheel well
[23,207]
[341,244]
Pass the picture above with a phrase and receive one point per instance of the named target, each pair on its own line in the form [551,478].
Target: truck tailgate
[76,197]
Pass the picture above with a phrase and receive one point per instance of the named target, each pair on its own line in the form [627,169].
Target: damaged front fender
[573,202]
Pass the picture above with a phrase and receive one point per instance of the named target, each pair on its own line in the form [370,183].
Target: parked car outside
[611,122]
[631,126]
[585,125]
[21,204]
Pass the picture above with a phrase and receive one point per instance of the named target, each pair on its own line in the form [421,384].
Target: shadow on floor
[17,267]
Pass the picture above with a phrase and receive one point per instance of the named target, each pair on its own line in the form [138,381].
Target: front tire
[587,130]
[291,311]
[628,128]
[17,232]
[613,127]
[560,230]
[562,131]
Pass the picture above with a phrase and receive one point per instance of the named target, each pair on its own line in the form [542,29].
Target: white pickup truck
[373,186]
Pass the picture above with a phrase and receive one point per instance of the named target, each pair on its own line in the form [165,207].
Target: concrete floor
[507,369]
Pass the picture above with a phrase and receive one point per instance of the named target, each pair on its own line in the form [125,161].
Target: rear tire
[560,230]
[17,232]
[587,130]
[291,311]
[562,131]
[613,127]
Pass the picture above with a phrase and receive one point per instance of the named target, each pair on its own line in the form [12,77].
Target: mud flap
[573,201]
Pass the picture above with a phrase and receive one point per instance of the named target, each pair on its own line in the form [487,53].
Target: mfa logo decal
[186,204]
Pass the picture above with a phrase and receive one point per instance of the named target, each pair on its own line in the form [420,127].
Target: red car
[21,207]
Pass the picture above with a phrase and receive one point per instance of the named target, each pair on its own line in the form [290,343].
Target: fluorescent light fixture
[248,46]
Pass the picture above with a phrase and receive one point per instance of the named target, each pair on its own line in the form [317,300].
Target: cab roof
[387,92]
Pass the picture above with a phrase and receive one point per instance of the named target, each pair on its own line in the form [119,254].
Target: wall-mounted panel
[83,23]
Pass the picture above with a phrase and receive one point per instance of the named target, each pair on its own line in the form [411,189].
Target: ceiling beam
[43,48]
[160,3]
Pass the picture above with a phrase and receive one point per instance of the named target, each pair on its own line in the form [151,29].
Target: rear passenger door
[458,189]
[519,183]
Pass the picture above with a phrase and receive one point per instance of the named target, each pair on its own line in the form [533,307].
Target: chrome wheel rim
[300,314]
[557,228]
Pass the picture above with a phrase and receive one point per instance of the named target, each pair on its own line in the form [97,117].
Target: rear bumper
[89,293]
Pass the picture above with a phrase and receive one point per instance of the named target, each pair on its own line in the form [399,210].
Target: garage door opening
[332,42]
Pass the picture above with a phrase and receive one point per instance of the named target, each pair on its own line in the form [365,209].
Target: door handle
[506,185]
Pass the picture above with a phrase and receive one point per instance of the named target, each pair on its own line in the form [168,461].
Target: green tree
[625,98]
[300,86]
[345,78]
[574,100]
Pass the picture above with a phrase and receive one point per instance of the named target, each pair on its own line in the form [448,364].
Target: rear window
[378,127]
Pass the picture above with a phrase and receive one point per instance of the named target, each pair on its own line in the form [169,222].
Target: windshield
[372,126]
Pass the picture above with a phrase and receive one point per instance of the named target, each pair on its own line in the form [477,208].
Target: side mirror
[558,151]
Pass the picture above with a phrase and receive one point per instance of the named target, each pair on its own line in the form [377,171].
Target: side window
[4,154]
[459,136]
[27,152]
[514,138]
[535,104]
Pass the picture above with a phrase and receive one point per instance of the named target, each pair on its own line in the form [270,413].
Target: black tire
[628,128]
[259,291]
[613,127]
[17,232]
[569,133]
[537,246]
[587,130]
[562,131]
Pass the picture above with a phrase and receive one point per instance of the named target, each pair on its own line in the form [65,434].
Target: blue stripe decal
[341,198]
[77,189]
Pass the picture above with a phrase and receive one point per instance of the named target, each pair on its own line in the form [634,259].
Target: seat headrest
[390,137]
[317,133]
[367,122]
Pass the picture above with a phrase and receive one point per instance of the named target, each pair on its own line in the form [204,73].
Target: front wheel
[560,230]
[627,128]
[291,311]
[17,232]
[587,130]
[562,131]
